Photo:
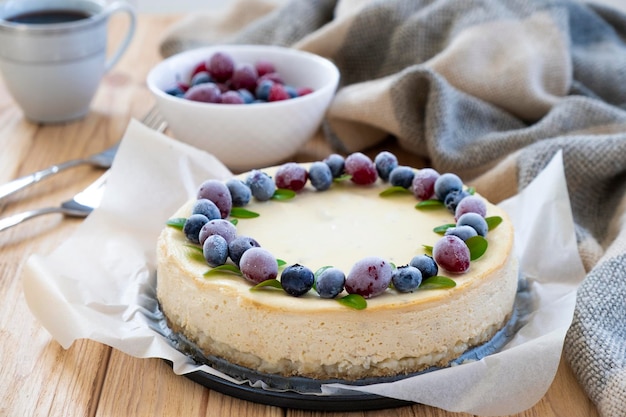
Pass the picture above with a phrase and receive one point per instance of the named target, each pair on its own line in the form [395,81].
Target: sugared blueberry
[261,185]
[471,204]
[336,163]
[239,245]
[320,176]
[297,280]
[221,66]
[205,93]
[231,97]
[215,250]
[402,176]
[463,232]
[406,278]
[330,282]
[446,183]
[426,264]
[476,221]
[244,76]
[453,199]
[240,193]
[193,225]
[385,163]
[206,207]
[220,227]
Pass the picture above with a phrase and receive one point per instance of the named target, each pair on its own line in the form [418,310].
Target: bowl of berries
[249,105]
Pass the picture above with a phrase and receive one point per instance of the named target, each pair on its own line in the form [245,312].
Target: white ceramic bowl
[247,136]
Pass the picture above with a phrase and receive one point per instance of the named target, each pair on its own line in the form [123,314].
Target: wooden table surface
[40,378]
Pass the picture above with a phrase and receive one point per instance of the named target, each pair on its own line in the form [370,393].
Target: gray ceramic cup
[53,54]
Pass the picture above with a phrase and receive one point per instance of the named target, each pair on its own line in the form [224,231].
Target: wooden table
[37,376]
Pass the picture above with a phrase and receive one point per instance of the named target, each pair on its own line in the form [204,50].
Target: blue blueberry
[201,78]
[406,278]
[263,89]
[175,91]
[464,232]
[330,283]
[206,207]
[447,183]
[426,264]
[239,192]
[474,220]
[261,185]
[297,280]
[247,96]
[385,162]
[293,93]
[452,200]
[402,176]
[193,225]
[320,176]
[239,245]
[336,163]
[215,250]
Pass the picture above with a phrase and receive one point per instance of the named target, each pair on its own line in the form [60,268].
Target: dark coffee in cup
[49,16]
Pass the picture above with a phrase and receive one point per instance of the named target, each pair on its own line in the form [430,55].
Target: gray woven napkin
[491,90]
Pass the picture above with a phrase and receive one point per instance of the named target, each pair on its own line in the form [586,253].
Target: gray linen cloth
[490,90]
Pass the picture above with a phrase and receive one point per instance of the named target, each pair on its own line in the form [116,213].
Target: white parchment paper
[95,285]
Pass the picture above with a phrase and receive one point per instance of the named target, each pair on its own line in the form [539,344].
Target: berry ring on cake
[344,269]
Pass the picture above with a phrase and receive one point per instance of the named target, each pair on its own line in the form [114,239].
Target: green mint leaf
[177,222]
[477,246]
[268,283]
[429,204]
[354,301]
[442,229]
[282,194]
[320,270]
[471,190]
[280,262]
[393,191]
[234,222]
[436,283]
[344,177]
[232,269]
[493,222]
[242,213]
[428,249]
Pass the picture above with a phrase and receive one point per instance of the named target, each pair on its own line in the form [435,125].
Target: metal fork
[102,159]
[87,200]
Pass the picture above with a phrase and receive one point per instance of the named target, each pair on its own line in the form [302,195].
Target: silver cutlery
[103,159]
[81,205]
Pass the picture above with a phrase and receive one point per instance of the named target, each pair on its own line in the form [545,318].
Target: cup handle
[130,11]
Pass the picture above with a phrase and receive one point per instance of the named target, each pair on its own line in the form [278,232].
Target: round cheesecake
[269,331]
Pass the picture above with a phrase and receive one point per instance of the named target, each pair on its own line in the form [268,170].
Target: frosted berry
[239,245]
[220,227]
[424,183]
[452,254]
[206,207]
[476,221]
[261,185]
[264,66]
[471,204]
[291,176]
[193,225]
[320,176]
[336,163]
[463,232]
[453,199]
[205,93]
[245,76]
[258,265]
[221,66]
[447,183]
[217,192]
[369,277]
[215,250]
[361,168]
[426,264]
[297,280]
[406,278]
[231,97]
[201,78]
[402,176]
[385,163]
[240,193]
[278,93]
[330,282]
